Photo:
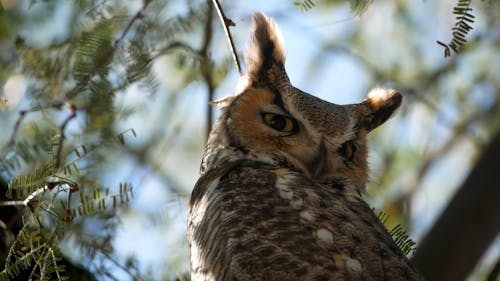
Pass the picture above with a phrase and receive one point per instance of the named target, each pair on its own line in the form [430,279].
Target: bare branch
[136,17]
[175,45]
[26,201]
[49,185]
[22,115]
[12,139]
[226,22]
[207,67]
[57,158]
[460,131]
[62,128]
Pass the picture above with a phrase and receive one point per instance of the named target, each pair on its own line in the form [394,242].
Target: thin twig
[22,115]
[12,139]
[172,46]
[91,11]
[72,187]
[460,131]
[62,128]
[207,68]
[226,22]
[137,16]
[122,267]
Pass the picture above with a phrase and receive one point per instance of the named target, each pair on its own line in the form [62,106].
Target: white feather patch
[379,96]
[325,236]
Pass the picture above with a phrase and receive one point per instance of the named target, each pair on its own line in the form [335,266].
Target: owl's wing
[257,224]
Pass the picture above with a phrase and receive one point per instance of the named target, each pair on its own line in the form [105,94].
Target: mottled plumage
[281,178]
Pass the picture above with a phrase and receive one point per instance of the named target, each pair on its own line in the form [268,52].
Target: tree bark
[467,226]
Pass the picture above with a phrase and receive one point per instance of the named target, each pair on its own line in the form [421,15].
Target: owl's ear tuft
[381,103]
[266,46]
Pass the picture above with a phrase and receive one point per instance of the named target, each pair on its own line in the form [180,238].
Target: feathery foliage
[35,251]
[464,20]
[305,5]
[52,164]
[402,239]
[400,235]
[358,7]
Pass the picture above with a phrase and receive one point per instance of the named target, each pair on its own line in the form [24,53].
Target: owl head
[271,122]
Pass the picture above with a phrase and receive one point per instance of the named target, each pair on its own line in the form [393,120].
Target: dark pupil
[278,122]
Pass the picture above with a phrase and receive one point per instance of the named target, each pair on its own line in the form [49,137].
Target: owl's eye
[347,150]
[279,122]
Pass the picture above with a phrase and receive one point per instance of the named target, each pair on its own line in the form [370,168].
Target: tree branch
[62,128]
[495,272]
[136,17]
[206,68]
[49,185]
[20,118]
[460,131]
[226,22]
[467,226]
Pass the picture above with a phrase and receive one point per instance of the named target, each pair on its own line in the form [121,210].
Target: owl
[279,195]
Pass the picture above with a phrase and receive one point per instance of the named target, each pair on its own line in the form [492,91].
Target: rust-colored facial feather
[271,119]
[246,124]
[249,130]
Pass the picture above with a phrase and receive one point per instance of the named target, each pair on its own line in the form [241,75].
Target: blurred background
[104,114]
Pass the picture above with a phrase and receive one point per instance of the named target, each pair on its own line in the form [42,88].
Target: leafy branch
[402,239]
[399,234]
[29,253]
[305,5]
[462,27]
[358,7]
[49,177]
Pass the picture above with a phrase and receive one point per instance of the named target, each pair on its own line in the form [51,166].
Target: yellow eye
[347,150]
[279,122]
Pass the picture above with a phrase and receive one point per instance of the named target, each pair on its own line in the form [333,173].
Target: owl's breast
[272,224]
